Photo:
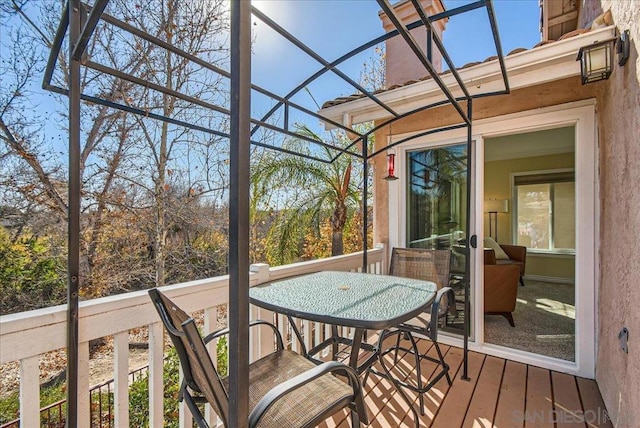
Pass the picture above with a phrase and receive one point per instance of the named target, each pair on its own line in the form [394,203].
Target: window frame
[514,203]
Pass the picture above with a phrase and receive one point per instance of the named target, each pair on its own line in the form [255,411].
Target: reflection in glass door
[437,209]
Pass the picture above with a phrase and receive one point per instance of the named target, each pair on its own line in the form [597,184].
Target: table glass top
[348,298]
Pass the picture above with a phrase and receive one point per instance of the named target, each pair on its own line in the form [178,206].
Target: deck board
[512,394]
[482,407]
[453,410]
[596,415]
[539,402]
[568,408]
[436,396]
[499,394]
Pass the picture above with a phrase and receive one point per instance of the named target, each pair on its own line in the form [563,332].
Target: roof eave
[546,63]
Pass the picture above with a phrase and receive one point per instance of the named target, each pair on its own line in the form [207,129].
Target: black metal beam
[365,208]
[467,261]
[211,67]
[496,39]
[56,47]
[156,87]
[418,135]
[413,45]
[369,45]
[433,36]
[239,211]
[59,38]
[304,48]
[124,76]
[73,227]
[88,29]
[458,10]
[155,116]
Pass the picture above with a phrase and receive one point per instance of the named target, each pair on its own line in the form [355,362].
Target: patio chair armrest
[435,310]
[302,379]
[225,331]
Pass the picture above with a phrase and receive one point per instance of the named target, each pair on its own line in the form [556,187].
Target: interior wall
[497,185]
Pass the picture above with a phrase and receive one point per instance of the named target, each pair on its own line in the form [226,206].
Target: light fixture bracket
[623,47]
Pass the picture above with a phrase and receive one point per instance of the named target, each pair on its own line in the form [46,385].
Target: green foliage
[222,354]
[139,395]
[9,407]
[313,193]
[31,276]
[10,404]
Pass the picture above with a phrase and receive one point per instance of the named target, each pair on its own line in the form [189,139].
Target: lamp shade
[496,206]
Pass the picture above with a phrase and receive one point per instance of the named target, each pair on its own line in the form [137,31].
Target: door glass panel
[437,210]
[533,309]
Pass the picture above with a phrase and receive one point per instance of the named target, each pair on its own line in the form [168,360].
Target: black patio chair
[285,389]
[428,265]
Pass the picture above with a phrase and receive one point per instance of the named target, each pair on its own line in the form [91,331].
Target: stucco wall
[402,64]
[618,374]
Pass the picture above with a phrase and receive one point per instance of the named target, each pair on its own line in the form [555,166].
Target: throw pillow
[491,243]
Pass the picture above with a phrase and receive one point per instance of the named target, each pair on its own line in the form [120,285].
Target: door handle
[473,242]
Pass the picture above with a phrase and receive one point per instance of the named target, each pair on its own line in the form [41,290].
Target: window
[545,211]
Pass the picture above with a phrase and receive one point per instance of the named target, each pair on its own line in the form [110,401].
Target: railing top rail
[32,333]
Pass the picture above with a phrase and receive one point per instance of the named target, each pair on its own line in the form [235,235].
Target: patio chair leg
[400,390]
[366,376]
[445,366]
[416,354]
[355,419]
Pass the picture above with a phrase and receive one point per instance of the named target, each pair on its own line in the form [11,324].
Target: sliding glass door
[437,209]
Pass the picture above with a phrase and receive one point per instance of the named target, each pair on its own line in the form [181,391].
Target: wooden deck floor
[499,394]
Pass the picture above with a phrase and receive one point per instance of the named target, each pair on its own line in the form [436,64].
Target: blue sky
[278,66]
[334,27]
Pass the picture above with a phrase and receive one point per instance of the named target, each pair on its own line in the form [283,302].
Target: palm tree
[313,191]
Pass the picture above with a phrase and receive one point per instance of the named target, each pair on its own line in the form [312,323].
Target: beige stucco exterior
[617,373]
[401,64]
[618,122]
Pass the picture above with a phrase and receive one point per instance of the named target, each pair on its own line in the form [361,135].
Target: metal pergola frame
[80,20]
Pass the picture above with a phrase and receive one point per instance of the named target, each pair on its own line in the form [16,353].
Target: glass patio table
[357,300]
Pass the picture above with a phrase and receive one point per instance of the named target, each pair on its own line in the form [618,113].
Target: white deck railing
[27,335]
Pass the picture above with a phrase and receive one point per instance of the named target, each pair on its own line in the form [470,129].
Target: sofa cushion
[491,243]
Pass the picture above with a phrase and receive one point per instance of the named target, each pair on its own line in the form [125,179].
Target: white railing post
[260,273]
[84,396]
[121,379]
[29,392]
[382,264]
[156,377]
[185,420]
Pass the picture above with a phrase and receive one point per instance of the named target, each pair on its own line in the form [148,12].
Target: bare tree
[200,28]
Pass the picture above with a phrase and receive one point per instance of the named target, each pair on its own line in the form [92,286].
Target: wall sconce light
[596,60]
[391,167]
